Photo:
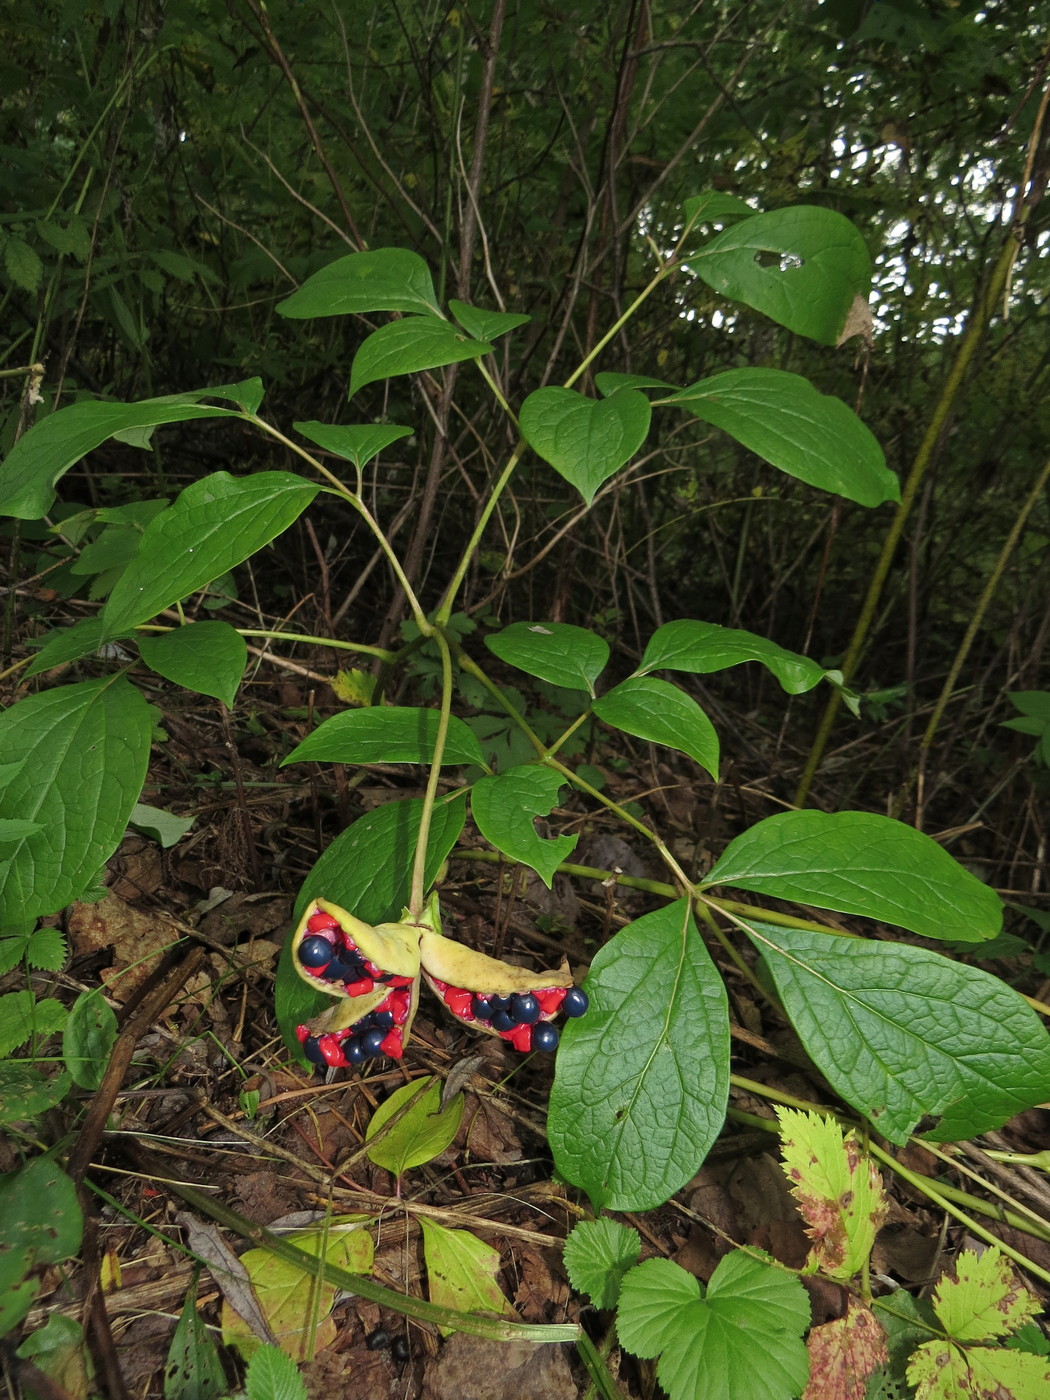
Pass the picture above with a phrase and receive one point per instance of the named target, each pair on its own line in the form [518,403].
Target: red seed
[302,1034]
[373,971]
[521,1038]
[394,979]
[330,1049]
[359,989]
[550,999]
[459,1002]
[391,1045]
[400,1004]
[318,922]
[438,985]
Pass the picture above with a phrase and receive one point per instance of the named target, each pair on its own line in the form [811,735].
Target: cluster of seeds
[520,1018]
[329,953]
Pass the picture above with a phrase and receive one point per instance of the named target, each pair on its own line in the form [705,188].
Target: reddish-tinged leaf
[844,1353]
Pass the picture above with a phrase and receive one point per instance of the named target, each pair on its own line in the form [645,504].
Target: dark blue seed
[354,1050]
[343,969]
[498,1003]
[312,1051]
[481,1008]
[576,1002]
[382,1018]
[315,952]
[525,1009]
[545,1037]
[372,1040]
[502,1021]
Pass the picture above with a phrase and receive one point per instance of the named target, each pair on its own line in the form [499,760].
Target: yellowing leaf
[844,1353]
[946,1371]
[838,1191]
[985,1299]
[354,687]
[422,1134]
[461,1271]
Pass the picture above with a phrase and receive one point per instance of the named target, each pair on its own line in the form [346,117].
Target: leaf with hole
[193,1370]
[585,440]
[208,657]
[504,809]
[655,710]
[382,279]
[701,648]
[387,734]
[552,651]
[410,345]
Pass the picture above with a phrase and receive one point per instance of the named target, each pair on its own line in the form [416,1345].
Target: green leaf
[22,1016]
[461,1271]
[422,1134]
[553,651]
[88,1038]
[946,1371]
[862,863]
[273,1376]
[985,1299]
[48,450]
[58,1350]
[415,343]
[486,325]
[16,829]
[585,440]
[358,443]
[384,279]
[658,711]
[641,1081]
[86,747]
[703,647]
[164,827]
[27,1090]
[23,264]
[208,657]
[714,207]
[193,1370]
[181,267]
[504,809]
[212,526]
[742,1341]
[68,235]
[608,382]
[794,427]
[802,267]
[597,1255]
[42,1224]
[83,638]
[367,870]
[386,734]
[901,1033]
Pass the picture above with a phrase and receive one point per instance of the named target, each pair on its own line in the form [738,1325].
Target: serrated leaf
[486,325]
[383,279]
[985,1299]
[707,1344]
[366,869]
[273,1376]
[700,648]
[386,734]
[27,1089]
[22,1016]
[68,235]
[212,526]
[23,264]
[461,1271]
[901,1033]
[843,1353]
[947,1371]
[862,863]
[553,651]
[47,451]
[193,1370]
[597,1255]
[585,440]
[412,344]
[88,1038]
[801,267]
[208,657]
[86,748]
[504,809]
[164,827]
[46,949]
[838,1192]
[641,1082]
[358,442]
[655,710]
[421,1135]
[795,428]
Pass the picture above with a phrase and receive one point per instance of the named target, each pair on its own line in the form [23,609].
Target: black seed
[502,1021]
[343,969]
[545,1037]
[377,1340]
[498,1003]
[354,1050]
[400,1349]
[481,1008]
[315,952]
[525,1009]
[372,1040]
[382,1018]
[576,1002]
[312,1051]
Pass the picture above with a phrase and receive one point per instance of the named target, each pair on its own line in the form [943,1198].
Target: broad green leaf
[59,1351]
[658,711]
[88,1038]
[23,264]
[86,747]
[115,547]
[703,647]
[211,527]
[384,279]
[42,1224]
[22,1016]
[641,1081]
[44,948]
[902,1033]
[585,440]
[714,207]
[946,1371]
[985,1299]
[16,829]
[794,427]
[67,234]
[802,267]
[273,1376]
[609,381]
[358,443]
[28,1089]
[838,1191]
[367,870]
[208,657]
[1035,703]
[553,651]
[504,809]
[597,1255]
[386,734]
[862,863]
[414,343]
[48,450]
[486,325]
[461,1271]
[164,827]
[83,638]
[421,1135]
[193,1370]
[742,1341]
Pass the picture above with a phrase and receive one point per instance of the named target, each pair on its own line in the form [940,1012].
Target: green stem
[304,637]
[444,612]
[419,863]
[618,325]
[468,664]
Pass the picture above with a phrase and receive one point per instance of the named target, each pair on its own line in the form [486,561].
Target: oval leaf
[422,1134]
[585,440]
[208,657]
[383,279]
[88,1038]
[403,347]
[902,1032]
[789,423]
[641,1082]
[658,711]
[801,267]
[358,443]
[861,863]
[504,809]
[703,647]
[553,651]
[461,1271]
[486,325]
[387,734]
[211,527]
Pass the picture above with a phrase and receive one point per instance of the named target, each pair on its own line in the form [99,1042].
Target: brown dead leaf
[487,1132]
[137,869]
[542,1292]
[354,1374]
[844,1353]
[474,1368]
[138,938]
